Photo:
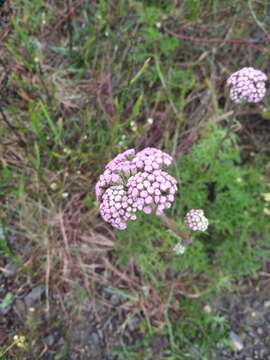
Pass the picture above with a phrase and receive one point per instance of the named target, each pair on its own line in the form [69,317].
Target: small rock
[94,339]
[49,340]
[262,353]
[106,292]
[115,299]
[100,334]
[34,295]
[266,304]
[267,318]
[260,331]
[9,270]
[4,311]
[133,323]
[252,334]
[236,341]
[207,309]
[61,342]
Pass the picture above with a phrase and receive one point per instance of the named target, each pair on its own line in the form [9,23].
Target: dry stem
[186,238]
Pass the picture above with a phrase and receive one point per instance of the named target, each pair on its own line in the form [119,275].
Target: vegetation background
[82,81]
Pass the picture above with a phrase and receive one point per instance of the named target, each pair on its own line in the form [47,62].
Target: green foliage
[198,331]
[7,252]
[73,106]
[192,9]
[229,193]
[195,335]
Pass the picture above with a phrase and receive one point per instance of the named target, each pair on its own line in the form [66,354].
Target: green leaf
[6,301]
[192,9]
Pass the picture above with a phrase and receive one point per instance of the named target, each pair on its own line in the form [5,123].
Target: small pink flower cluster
[116,208]
[152,189]
[195,220]
[247,85]
[135,182]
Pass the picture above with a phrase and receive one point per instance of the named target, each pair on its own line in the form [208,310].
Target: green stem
[8,348]
[226,136]
[170,224]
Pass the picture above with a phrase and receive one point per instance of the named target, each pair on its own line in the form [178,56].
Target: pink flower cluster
[116,207]
[247,85]
[195,220]
[152,189]
[135,182]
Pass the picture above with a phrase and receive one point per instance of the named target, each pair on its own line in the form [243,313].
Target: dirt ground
[101,324]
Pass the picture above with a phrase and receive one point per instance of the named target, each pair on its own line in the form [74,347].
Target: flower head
[247,85]
[19,340]
[195,220]
[116,207]
[179,249]
[135,182]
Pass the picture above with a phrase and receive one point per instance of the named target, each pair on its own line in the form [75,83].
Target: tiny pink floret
[147,210]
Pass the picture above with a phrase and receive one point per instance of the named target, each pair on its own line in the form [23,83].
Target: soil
[248,313]
[99,329]
[102,325]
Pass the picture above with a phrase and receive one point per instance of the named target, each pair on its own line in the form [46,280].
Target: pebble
[49,340]
[34,295]
[115,299]
[266,304]
[5,310]
[236,341]
[267,318]
[9,270]
[94,339]
[207,309]
[100,334]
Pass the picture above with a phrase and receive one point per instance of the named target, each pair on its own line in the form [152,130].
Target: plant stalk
[186,239]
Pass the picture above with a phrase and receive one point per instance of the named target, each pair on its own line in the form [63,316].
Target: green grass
[230,195]
[77,91]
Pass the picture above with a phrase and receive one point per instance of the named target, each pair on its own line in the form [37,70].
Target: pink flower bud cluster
[116,207]
[135,182]
[247,85]
[112,173]
[195,220]
[152,191]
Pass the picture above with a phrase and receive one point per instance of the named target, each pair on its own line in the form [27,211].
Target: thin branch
[186,238]
[195,39]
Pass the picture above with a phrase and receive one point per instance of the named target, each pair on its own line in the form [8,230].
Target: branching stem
[186,239]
